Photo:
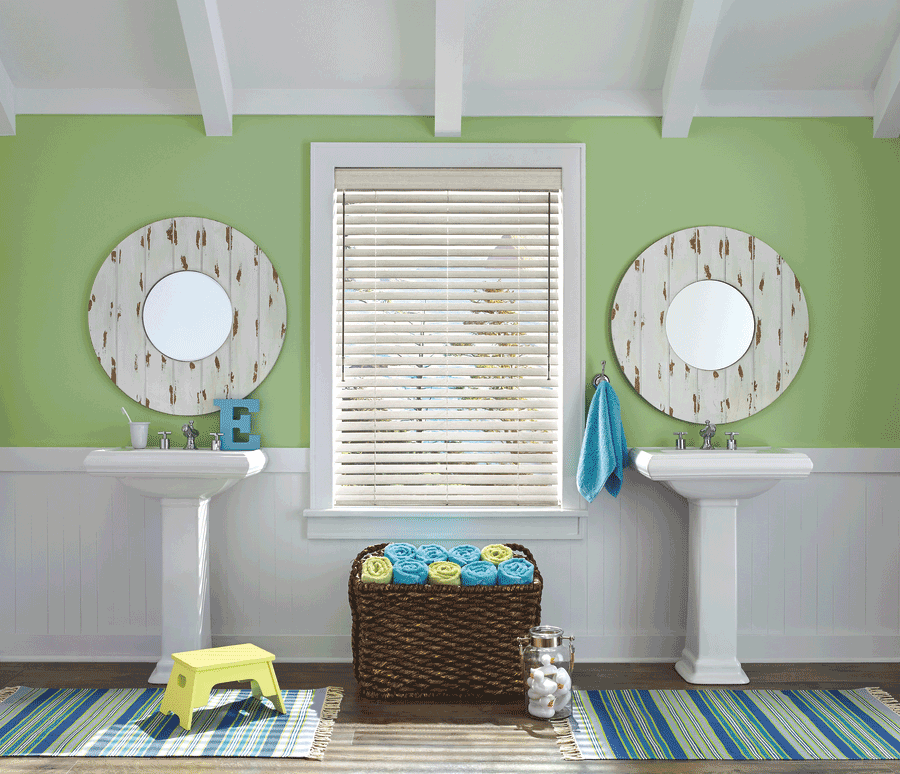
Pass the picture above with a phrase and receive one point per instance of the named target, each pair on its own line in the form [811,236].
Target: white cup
[139,434]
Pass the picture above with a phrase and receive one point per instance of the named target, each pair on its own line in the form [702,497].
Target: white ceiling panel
[802,44]
[329,44]
[577,44]
[113,44]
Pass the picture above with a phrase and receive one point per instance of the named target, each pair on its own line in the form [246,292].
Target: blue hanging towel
[604,451]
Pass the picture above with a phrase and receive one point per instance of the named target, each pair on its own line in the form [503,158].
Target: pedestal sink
[183,481]
[714,482]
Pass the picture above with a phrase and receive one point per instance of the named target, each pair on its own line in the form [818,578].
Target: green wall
[823,193]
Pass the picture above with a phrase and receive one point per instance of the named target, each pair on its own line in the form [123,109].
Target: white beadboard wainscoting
[818,564]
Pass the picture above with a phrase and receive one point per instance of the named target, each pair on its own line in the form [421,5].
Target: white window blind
[446,326]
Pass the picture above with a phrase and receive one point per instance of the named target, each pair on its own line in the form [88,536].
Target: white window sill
[495,524]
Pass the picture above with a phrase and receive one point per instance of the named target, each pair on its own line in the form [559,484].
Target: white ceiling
[452,58]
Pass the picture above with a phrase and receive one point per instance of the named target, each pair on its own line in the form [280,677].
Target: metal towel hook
[601,377]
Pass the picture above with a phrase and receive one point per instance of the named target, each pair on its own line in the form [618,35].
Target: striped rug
[126,723]
[713,724]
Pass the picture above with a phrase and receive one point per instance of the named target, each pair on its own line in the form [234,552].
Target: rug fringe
[5,693]
[330,710]
[885,698]
[566,740]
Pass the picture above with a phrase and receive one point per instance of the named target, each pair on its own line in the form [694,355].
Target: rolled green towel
[496,553]
[444,573]
[377,569]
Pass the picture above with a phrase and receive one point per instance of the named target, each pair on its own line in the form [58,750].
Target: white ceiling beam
[449,26]
[687,64]
[206,49]
[886,111]
[7,104]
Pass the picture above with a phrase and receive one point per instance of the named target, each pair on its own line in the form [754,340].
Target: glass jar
[547,664]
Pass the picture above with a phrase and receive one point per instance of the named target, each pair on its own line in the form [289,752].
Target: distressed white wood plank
[209,63]
[187,375]
[625,325]
[102,314]
[767,307]
[739,378]
[684,401]
[654,341]
[886,108]
[272,316]
[711,266]
[794,325]
[245,326]
[130,292]
[449,30]
[216,262]
[160,263]
[7,104]
[694,34]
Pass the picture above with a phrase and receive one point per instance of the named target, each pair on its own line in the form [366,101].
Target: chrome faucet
[190,434]
[707,432]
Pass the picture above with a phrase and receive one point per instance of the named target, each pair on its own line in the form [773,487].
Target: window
[447,369]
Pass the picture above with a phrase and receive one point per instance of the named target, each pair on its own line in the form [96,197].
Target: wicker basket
[417,642]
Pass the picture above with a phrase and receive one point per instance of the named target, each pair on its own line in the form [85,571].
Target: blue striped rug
[714,724]
[126,723]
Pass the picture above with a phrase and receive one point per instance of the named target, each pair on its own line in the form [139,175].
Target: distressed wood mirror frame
[115,306]
[665,268]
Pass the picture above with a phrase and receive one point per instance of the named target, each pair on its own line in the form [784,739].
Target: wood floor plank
[492,736]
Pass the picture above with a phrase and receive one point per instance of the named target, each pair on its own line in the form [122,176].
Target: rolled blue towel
[479,573]
[399,551]
[410,571]
[431,552]
[464,555]
[515,570]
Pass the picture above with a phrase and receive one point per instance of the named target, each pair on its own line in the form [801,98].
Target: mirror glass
[187,315]
[710,325]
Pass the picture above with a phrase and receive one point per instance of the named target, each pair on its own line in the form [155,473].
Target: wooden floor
[412,737]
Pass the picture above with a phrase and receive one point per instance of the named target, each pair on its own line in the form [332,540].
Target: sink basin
[182,481]
[718,473]
[175,473]
[714,481]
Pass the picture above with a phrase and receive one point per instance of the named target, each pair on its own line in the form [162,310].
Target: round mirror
[186,310]
[187,315]
[710,325]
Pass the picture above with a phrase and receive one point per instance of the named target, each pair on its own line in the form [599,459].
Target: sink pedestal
[183,481]
[185,585]
[710,647]
[714,482]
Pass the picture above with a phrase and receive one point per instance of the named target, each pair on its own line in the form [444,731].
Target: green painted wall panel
[823,193]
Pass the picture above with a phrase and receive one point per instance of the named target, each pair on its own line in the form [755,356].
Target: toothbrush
[126,413]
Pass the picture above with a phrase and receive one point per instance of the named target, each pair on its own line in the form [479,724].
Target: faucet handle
[679,443]
[731,443]
[164,441]
[216,443]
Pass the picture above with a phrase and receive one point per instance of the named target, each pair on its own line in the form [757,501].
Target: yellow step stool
[197,671]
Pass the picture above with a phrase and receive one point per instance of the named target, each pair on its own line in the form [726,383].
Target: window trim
[324,158]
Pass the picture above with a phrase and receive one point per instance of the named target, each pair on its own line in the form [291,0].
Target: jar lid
[546,636]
